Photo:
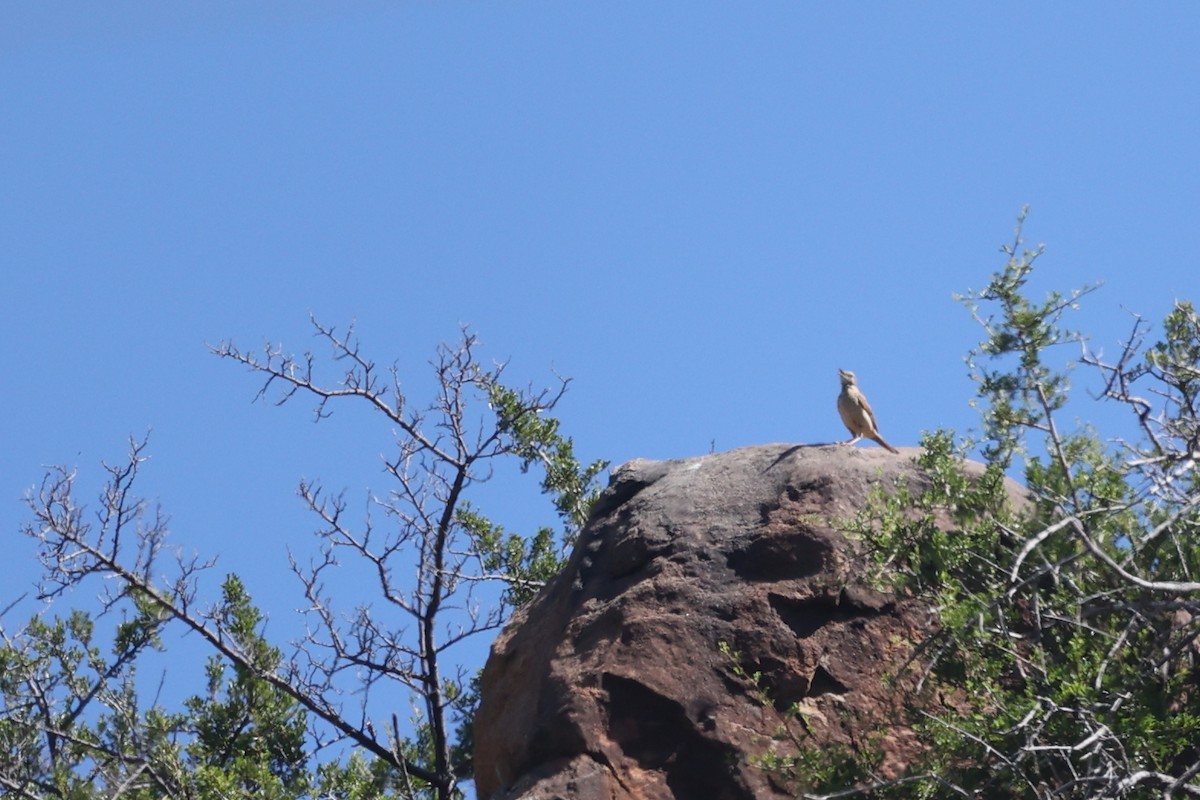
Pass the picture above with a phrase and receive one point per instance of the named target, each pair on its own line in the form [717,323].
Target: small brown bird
[856,412]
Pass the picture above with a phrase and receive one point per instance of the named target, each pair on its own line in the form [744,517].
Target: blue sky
[697,211]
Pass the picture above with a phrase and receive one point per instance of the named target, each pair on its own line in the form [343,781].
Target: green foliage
[536,438]
[358,778]
[245,739]
[249,736]
[527,562]
[523,563]
[66,704]
[1067,659]
[921,541]
[1019,390]
[1064,638]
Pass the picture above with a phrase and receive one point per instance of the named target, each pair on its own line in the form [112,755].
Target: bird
[856,412]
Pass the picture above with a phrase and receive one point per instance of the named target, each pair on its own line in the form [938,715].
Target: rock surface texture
[611,684]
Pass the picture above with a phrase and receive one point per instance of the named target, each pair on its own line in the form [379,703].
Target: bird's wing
[866,407]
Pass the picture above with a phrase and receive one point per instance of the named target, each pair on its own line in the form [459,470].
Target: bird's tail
[879,439]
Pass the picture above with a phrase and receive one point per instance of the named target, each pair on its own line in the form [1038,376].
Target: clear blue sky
[696,210]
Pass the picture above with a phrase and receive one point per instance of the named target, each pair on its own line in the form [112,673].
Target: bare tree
[427,549]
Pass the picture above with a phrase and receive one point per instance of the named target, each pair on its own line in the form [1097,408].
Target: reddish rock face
[611,684]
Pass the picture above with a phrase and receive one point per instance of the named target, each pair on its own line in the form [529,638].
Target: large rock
[612,684]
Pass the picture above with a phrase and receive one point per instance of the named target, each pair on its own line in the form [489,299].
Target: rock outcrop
[612,685]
